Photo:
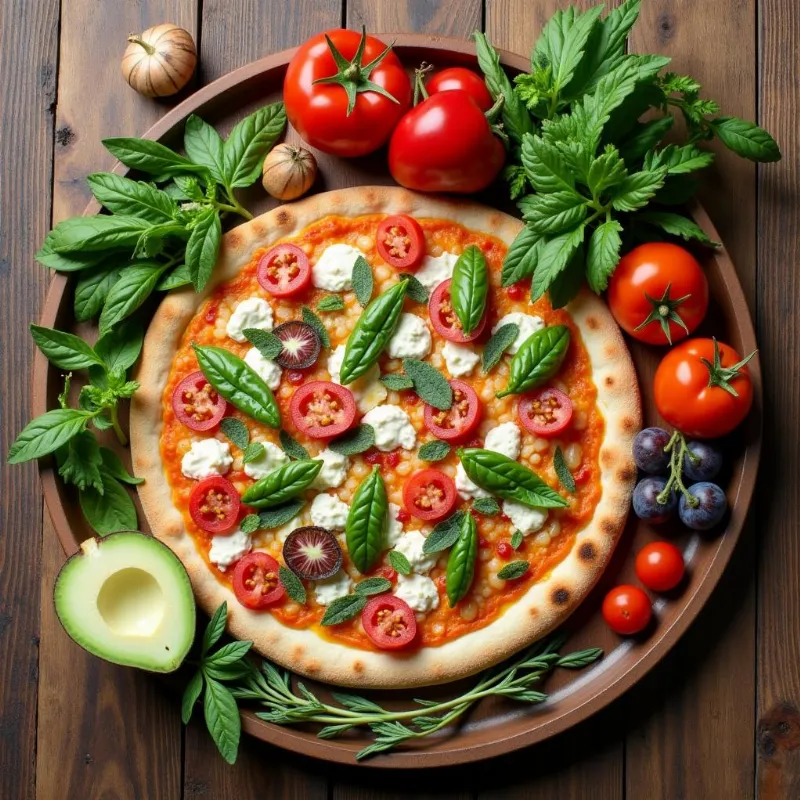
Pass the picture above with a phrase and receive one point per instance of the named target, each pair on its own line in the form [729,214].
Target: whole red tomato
[702,388]
[445,144]
[455,78]
[658,293]
[345,92]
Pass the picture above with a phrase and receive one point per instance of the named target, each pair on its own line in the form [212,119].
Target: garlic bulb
[289,171]
[160,61]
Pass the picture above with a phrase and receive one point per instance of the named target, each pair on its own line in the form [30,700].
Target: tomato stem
[677,449]
[722,376]
[665,310]
[419,81]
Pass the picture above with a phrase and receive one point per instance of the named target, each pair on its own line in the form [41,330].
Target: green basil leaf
[190,696]
[637,189]
[293,585]
[513,570]
[568,282]
[365,530]
[222,718]
[399,562]
[310,318]
[545,166]
[522,257]
[91,290]
[280,515]
[204,146]
[331,302]
[746,139]
[356,440]
[562,470]
[236,431]
[553,259]
[487,506]
[292,447]
[96,233]
[501,340]
[372,333]
[444,534]
[372,586]
[45,434]
[249,142]
[228,654]
[253,452]
[203,247]
[429,383]
[538,359]
[469,288]
[66,262]
[675,225]
[553,213]
[176,278]
[282,484]
[266,342]
[215,628]
[65,350]
[343,608]
[603,255]
[82,465]
[415,291]
[363,282]
[132,198]
[114,466]
[508,479]
[120,347]
[134,285]
[111,511]
[434,450]
[461,561]
[516,539]
[148,156]
[238,384]
[231,672]
[188,187]
[607,170]
[397,383]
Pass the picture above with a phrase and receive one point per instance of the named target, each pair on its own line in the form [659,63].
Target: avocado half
[128,599]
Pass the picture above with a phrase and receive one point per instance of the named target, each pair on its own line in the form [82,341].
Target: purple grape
[648,450]
[645,504]
[709,511]
[708,461]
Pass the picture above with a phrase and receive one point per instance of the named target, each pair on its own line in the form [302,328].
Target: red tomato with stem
[196,403]
[659,566]
[345,92]
[627,610]
[401,242]
[658,293]
[444,320]
[460,78]
[284,271]
[322,410]
[389,622]
[429,495]
[256,581]
[460,420]
[214,505]
[545,412]
[702,387]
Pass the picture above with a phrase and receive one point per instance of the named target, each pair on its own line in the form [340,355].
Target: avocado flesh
[126,598]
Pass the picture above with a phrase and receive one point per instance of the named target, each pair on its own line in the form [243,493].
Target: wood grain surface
[719,718]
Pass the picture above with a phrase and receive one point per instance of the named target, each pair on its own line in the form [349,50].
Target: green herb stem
[114,414]
[677,449]
[234,206]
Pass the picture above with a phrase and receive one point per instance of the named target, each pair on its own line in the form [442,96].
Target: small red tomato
[516,291]
[214,505]
[401,242]
[465,80]
[444,319]
[211,315]
[389,622]
[627,610]
[659,566]
[256,581]
[545,412]
[392,459]
[505,550]
[284,271]
[388,573]
[322,410]
[460,420]
[403,516]
[658,293]
[702,387]
[429,495]
[373,457]
[196,403]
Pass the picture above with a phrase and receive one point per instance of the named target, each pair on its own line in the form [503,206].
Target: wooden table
[717,719]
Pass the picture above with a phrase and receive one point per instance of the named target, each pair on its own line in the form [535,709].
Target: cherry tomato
[256,582]
[389,622]
[444,319]
[338,110]
[196,403]
[702,388]
[445,144]
[214,505]
[322,410]
[460,78]
[284,271]
[627,610]
[505,550]
[429,495]
[403,516]
[401,242]
[659,566]
[545,412]
[460,420]
[658,293]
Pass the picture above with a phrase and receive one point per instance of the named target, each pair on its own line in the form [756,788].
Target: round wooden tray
[494,727]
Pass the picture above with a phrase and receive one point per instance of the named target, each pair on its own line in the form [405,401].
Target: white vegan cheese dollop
[368,391]
[229,548]
[328,511]
[524,518]
[528,324]
[504,439]
[207,457]
[410,545]
[394,529]
[460,359]
[436,269]
[338,585]
[392,428]
[411,338]
[267,370]
[273,458]
[334,268]
[418,591]
[466,488]
[255,312]
[333,472]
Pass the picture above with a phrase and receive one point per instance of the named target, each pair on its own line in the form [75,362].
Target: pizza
[395,471]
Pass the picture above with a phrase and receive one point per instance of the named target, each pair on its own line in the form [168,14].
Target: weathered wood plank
[28,58]
[778,730]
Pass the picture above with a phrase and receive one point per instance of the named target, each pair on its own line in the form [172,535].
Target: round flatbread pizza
[396,470]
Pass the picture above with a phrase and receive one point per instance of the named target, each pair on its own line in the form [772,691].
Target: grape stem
[677,449]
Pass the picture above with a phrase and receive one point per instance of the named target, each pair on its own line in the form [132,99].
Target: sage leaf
[343,608]
[562,470]
[356,440]
[415,291]
[331,302]
[110,511]
[293,585]
[371,586]
[461,561]
[292,447]
[513,570]
[65,350]
[282,484]
[236,431]
[516,539]
[538,359]
[249,142]
[487,506]
[249,524]
[434,450]
[501,340]
[399,562]
[444,534]
[363,282]
[203,247]
[253,452]
[310,318]
[429,383]
[397,383]
[204,146]
[280,515]
[127,197]
[266,342]
[469,288]
[367,520]
[46,433]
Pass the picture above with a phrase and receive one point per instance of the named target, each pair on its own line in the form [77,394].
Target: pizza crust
[543,607]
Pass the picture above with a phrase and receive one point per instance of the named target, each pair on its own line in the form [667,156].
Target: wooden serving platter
[494,727]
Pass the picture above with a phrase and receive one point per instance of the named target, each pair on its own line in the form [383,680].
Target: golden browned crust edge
[541,609]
